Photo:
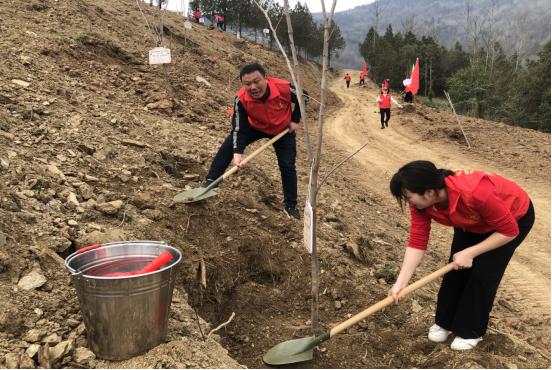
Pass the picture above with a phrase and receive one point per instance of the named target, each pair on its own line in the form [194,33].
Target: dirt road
[527,280]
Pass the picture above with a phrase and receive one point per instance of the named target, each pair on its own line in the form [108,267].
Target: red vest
[347,78]
[385,101]
[273,115]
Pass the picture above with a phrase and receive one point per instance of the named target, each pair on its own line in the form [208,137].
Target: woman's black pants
[466,296]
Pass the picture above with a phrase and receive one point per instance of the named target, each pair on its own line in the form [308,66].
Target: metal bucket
[124,316]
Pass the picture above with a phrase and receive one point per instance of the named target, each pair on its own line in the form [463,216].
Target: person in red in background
[197,15]
[220,21]
[347,79]
[491,216]
[361,82]
[263,108]
[384,100]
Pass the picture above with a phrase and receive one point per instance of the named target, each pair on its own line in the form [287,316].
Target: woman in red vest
[491,216]
[384,99]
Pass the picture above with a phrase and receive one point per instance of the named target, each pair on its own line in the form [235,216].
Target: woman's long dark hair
[417,177]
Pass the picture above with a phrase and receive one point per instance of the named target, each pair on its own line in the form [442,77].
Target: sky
[314,5]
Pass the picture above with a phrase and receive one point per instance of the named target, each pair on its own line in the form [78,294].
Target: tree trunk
[425,77]
[298,82]
[430,80]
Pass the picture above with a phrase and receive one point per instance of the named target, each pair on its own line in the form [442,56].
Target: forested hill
[517,24]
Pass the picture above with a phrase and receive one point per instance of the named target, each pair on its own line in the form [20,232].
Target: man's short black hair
[250,68]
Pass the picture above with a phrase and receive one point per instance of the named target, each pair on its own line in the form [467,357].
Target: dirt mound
[94,143]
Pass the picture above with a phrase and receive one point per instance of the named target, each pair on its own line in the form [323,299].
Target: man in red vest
[263,108]
[347,79]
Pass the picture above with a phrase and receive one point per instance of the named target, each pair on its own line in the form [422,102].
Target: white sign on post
[159,55]
[188,25]
[266,31]
[308,227]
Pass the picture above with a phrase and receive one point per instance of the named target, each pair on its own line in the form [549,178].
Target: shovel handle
[389,300]
[255,153]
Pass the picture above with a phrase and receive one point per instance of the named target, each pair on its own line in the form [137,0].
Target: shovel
[197,194]
[298,350]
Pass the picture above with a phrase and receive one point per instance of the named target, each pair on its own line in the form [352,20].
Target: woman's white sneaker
[438,334]
[461,344]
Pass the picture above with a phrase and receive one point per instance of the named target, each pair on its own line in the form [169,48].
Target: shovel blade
[193,195]
[291,351]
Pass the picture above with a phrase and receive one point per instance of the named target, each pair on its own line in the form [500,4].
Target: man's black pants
[348,83]
[285,152]
[466,296]
[385,115]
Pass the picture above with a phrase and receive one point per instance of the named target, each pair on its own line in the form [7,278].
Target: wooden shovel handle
[255,153]
[389,300]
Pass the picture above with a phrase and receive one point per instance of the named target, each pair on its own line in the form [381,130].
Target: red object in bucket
[89,248]
[154,265]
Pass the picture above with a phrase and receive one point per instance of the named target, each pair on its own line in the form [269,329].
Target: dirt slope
[84,121]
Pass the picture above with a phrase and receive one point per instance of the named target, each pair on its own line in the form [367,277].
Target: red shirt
[347,78]
[385,101]
[272,115]
[478,202]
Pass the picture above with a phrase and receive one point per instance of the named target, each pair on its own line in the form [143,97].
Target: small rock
[86,191]
[34,335]
[190,176]
[91,178]
[143,200]
[510,365]
[4,164]
[337,304]
[32,350]
[33,280]
[416,306]
[52,339]
[110,208]
[72,322]
[54,171]
[26,362]
[161,104]
[138,144]
[83,355]
[202,80]
[72,201]
[21,83]
[12,361]
[382,281]
[72,223]
[60,350]
[81,328]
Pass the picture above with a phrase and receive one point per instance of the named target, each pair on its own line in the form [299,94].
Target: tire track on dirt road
[527,279]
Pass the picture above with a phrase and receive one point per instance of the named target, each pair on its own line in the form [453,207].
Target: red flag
[364,69]
[415,85]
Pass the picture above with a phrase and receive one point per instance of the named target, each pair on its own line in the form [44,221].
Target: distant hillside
[517,23]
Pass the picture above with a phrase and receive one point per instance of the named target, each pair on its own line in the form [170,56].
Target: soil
[95,143]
